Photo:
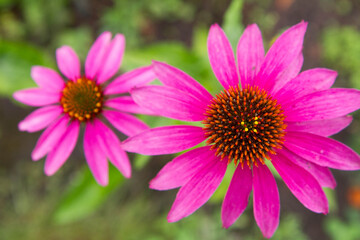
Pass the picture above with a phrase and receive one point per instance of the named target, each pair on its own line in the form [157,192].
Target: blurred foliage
[344,229]
[136,15]
[84,195]
[341,50]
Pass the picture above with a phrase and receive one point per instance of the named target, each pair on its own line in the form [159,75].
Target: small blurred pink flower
[278,114]
[87,99]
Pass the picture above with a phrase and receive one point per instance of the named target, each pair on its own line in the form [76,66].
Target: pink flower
[84,99]
[278,114]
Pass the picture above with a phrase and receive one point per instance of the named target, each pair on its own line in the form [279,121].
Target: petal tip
[170,218]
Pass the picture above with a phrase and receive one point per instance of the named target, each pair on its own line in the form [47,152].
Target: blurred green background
[70,205]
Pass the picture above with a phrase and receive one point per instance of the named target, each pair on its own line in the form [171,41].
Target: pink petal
[169,102]
[302,184]
[125,123]
[126,104]
[326,127]
[322,151]
[110,144]
[198,190]
[181,169]
[266,200]
[322,174]
[50,138]
[288,74]
[47,79]
[237,196]
[68,62]
[331,103]
[221,57]
[173,77]
[36,97]
[250,54]
[112,58]
[282,53]
[135,78]
[61,151]
[307,82]
[95,57]
[164,140]
[95,156]
[40,118]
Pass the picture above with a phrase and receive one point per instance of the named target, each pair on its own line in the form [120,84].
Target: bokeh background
[70,205]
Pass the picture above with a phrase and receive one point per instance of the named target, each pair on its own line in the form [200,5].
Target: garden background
[70,205]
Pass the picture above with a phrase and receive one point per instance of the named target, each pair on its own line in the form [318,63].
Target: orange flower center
[245,125]
[82,99]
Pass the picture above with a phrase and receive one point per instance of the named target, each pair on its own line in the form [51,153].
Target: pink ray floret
[268,112]
[85,98]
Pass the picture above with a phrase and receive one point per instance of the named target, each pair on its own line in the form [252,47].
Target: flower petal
[301,183]
[47,79]
[36,97]
[40,118]
[322,174]
[112,58]
[250,54]
[237,196]
[95,57]
[322,151]
[169,102]
[135,78]
[126,104]
[68,62]
[50,138]
[61,151]
[288,74]
[125,123]
[110,144]
[221,57]
[198,190]
[282,53]
[326,127]
[266,200]
[181,169]
[331,103]
[164,140]
[95,156]
[173,77]
[307,82]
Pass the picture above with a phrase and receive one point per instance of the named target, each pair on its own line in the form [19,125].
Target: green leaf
[85,196]
[232,22]
[16,60]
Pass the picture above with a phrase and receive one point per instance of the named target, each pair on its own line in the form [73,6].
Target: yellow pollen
[246,129]
[256,122]
[242,123]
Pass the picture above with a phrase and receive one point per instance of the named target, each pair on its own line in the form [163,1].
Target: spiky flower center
[82,99]
[244,125]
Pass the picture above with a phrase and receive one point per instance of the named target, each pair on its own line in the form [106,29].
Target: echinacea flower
[278,116]
[85,99]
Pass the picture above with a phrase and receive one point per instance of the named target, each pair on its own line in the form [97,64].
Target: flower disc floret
[82,99]
[245,125]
